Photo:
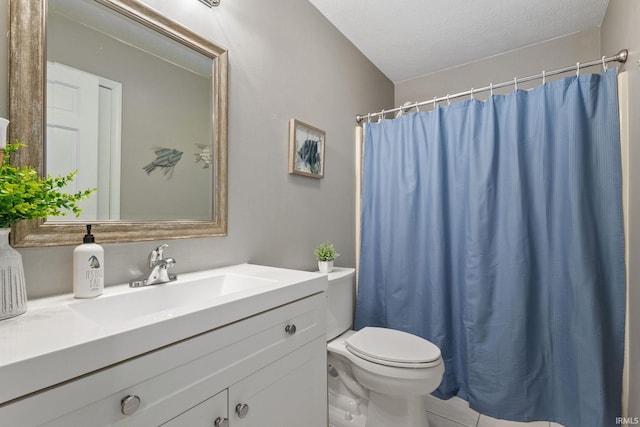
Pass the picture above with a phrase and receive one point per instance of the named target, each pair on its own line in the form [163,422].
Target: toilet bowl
[382,374]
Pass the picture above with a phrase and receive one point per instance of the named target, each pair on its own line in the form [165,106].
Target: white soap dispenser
[88,267]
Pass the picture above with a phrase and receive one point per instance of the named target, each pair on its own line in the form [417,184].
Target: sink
[61,337]
[164,300]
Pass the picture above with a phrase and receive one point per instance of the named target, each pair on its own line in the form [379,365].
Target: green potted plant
[325,254]
[24,194]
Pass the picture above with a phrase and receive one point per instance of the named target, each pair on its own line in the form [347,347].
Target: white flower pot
[13,292]
[325,266]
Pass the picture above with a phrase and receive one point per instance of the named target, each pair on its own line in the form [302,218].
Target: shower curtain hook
[472,98]
[491,89]
[435,102]
[515,83]
[368,117]
[544,77]
[604,64]
[417,107]
[577,69]
[448,100]
[381,114]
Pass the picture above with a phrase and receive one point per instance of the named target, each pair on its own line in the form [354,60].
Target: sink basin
[164,300]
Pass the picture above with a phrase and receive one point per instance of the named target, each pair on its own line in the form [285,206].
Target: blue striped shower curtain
[494,230]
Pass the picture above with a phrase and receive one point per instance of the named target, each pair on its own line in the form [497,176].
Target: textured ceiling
[410,38]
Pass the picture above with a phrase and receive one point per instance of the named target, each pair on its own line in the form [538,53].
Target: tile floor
[455,412]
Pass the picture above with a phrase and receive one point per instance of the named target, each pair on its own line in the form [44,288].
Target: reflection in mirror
[137,106]
[129,109]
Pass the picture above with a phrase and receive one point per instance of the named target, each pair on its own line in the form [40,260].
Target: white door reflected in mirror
[83,134]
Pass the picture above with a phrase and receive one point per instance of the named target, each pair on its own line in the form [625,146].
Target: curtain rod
[619,57]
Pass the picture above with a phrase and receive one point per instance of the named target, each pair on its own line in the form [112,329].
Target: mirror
[158,133]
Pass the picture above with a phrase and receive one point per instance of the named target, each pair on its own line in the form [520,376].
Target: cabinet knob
[242,409]
[129,404]
[221,422]
[290,329]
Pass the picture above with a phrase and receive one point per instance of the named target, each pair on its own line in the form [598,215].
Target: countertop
[52,343]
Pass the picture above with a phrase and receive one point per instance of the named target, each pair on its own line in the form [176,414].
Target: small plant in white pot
[325,254]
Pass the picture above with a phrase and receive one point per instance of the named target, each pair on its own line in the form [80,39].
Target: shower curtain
[494,230]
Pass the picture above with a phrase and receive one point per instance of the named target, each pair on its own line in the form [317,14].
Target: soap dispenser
[88,267]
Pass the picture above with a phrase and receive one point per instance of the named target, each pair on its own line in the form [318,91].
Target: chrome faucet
[158,269]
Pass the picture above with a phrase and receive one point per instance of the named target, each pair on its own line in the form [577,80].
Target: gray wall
[554,54]
[286,61]
[620,30]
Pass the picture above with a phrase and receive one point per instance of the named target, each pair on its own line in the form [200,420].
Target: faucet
[158,269]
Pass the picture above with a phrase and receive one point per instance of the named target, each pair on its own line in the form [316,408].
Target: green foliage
[26,195]
[325,252]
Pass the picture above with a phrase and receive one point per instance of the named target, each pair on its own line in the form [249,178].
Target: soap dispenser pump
[88,267]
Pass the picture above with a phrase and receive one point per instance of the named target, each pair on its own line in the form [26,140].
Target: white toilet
[377,377]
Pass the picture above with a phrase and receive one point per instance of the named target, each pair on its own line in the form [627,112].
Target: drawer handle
[290,329]
[129,404]
[221,422]
[242,409]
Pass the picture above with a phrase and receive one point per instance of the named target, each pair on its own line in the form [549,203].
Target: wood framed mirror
[28,88]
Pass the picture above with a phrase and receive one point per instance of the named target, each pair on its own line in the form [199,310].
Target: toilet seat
[391,347]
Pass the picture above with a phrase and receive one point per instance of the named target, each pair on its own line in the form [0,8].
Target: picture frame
[306,149]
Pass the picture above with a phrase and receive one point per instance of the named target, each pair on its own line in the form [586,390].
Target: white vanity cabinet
[267,370]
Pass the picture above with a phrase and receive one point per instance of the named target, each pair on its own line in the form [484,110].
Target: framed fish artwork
[306,149]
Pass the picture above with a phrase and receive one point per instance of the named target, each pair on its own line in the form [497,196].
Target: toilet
[377,377]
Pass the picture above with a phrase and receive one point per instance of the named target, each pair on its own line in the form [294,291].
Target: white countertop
[52,342]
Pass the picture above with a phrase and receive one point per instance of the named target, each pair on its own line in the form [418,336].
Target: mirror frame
[27,86]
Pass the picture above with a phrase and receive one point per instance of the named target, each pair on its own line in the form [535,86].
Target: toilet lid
[392,347]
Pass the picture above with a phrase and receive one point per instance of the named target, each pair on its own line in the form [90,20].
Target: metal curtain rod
[619,57]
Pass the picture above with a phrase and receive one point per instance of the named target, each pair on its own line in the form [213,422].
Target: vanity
[237,346]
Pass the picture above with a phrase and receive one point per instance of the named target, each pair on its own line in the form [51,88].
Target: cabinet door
[291,391]
[210,413]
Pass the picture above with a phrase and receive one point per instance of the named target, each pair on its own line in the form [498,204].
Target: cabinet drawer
[204,414]
[171,380]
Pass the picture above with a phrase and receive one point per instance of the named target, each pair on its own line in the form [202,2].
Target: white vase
[13,292]
[3,137]
[325,266]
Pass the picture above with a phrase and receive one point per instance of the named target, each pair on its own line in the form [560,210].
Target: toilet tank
[341,293]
